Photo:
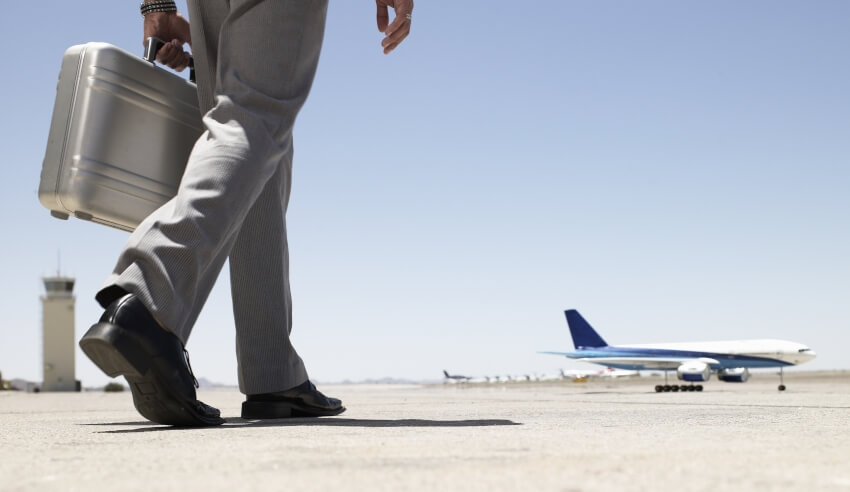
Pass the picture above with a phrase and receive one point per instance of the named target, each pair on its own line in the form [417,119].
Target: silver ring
[407,16]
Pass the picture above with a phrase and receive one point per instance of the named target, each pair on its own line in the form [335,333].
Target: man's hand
[400,28]
[172,28]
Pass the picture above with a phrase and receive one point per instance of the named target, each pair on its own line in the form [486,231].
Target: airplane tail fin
[583,334]
[446,373]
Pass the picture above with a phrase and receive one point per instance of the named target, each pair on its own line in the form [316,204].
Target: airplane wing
[648,362]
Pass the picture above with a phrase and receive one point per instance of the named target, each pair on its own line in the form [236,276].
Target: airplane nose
[806,355]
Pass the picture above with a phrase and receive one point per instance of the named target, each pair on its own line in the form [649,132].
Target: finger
[383,16]
[399,22]
[181,63]
[164,54]
[186,59]
[393,40]
[393,36]
[168,54]
[179,54]
[392,46]
[173,55]
[403,10]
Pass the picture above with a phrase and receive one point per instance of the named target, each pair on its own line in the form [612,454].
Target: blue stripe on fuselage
[725,360]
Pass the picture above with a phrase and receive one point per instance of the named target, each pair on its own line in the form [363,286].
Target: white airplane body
[692,361]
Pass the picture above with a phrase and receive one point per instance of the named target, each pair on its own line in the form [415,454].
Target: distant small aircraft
[610,372]
[455,377]
[575,374]
[693,362]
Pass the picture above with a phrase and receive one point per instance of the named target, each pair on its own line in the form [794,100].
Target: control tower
[58,334]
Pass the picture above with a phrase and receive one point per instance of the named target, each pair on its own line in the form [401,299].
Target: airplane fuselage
[720,354]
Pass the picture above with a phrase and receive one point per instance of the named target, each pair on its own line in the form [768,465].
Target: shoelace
[189,364]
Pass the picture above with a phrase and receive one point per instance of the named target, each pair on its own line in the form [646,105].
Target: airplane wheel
[781,387]
[666,387]
[699,387]
[675,388]
[659,388]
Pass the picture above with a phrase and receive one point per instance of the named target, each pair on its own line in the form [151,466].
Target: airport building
[58,334]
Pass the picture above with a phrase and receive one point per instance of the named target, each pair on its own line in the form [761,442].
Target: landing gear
[664,388]
[781,380]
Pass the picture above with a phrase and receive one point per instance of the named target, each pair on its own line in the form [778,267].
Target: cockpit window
[804,350]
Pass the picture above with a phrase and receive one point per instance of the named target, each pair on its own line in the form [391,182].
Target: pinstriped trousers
[255,62]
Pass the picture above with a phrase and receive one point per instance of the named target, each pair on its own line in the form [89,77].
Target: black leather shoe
[129,342]
[303,400]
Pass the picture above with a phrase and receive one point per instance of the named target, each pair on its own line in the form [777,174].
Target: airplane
[693,362]
[610,372]
[456,377]
[576,375]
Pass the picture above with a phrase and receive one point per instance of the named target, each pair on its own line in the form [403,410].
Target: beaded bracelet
[157,3]
[157,6]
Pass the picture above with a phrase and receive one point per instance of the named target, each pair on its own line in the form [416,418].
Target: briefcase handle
[152,46]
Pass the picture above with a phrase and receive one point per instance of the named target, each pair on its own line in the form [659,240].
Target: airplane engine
[694,371]
[734,375]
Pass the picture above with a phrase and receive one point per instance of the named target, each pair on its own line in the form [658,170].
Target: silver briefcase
[121,131]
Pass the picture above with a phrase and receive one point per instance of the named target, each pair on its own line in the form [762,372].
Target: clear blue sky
[677,171]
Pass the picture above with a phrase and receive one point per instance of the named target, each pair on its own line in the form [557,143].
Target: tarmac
[559,436]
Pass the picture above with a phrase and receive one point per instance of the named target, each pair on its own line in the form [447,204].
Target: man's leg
[259,260]
[128,341]
[262,303]
[270,371]
[173,258]
[268,52]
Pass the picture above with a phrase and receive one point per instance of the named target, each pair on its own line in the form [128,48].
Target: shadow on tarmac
[238,423]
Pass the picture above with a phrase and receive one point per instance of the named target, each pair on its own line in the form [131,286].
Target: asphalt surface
[563,436]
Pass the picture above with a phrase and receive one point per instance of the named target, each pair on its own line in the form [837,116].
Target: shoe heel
[255,410]
[112,349]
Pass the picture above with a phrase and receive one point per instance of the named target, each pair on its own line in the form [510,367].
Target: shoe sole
[114,350]
[258,410]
